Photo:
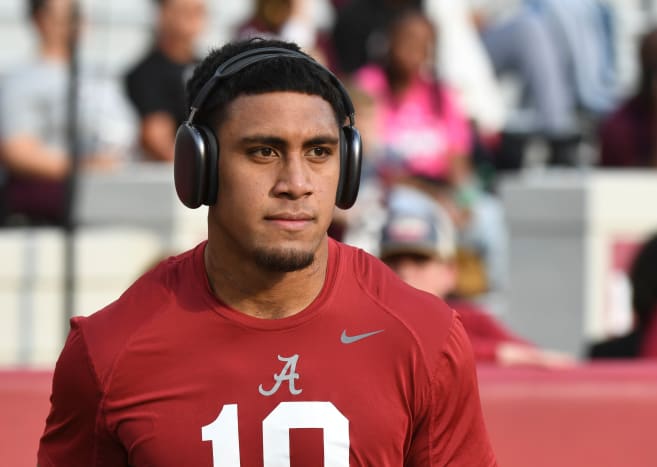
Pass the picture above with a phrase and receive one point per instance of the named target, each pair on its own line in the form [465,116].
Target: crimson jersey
[372,373]
[485,333]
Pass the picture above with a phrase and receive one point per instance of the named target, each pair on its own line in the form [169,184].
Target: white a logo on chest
[288,373]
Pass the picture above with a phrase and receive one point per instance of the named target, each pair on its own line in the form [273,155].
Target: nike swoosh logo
[345,339]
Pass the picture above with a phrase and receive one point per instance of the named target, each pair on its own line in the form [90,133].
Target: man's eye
[320,152]
[262,152]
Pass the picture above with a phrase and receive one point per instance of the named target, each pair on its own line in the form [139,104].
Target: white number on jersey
[223,432]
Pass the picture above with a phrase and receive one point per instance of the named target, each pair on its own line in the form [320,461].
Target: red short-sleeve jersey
[372,373]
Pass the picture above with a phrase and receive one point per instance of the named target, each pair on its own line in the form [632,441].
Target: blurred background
[522,133]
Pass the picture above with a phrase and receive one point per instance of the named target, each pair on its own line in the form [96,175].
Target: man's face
[54,21]
[429,274]
[411,45]
[278,175]
[274,12]
[183,20]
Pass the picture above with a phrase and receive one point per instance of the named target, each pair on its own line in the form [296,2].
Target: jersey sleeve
[74,434]
[451,431]
[485,333]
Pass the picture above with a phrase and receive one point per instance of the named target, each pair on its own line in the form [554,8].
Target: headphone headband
[245,59]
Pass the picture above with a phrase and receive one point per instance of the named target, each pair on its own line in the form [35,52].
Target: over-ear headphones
[197,150]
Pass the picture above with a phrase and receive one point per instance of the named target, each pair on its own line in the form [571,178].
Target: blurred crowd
[450,96]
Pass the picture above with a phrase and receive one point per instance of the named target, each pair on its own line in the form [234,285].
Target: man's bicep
[20,110]
[453,432]
[70,436]
[158,132]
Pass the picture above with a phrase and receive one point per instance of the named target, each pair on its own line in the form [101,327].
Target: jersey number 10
[223,433]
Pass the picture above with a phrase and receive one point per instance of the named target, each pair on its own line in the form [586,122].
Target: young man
[269,344]
[418,243]
[156,85]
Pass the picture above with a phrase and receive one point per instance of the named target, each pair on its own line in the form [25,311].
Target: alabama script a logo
[288,373]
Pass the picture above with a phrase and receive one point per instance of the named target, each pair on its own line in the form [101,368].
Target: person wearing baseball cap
[418,243]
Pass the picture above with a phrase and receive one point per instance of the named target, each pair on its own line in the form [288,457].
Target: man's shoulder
[107,331]
[148,66]
[149,292]
[33,75]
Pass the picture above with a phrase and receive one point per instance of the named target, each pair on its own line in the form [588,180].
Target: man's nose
[294,178]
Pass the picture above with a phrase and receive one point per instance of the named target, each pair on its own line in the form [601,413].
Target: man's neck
[175,50]
[255,291]
[55,52]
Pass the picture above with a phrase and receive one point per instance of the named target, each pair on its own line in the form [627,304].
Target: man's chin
[284,259]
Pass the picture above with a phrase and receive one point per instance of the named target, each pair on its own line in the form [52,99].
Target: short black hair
[643,277]
[272,75]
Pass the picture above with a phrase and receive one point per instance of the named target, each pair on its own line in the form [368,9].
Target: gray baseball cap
[426,231]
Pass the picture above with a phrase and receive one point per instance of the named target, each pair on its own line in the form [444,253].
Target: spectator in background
[628,137]
[360,30]
[420,125]
[268,20]
[582,31]
[643,277]
[560,56]
[464,64]
[521,44]
[425,134]
[291,20]
[481,236]
[156,84]
[418,243]
[34,137]
[642,340]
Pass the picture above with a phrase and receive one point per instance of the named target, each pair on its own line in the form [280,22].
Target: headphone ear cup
[351,149]
[211,166]
[195,165]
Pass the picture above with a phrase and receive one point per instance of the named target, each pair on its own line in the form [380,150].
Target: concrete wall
[563,228]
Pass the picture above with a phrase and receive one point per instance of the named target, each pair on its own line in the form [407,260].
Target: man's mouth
[290,220]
